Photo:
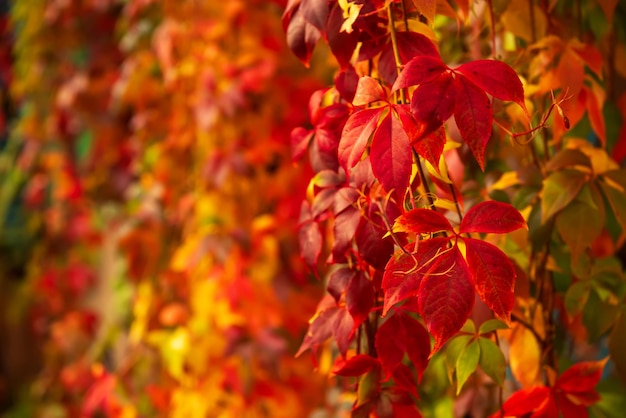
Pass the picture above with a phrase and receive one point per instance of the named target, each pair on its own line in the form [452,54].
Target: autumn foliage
[368,208]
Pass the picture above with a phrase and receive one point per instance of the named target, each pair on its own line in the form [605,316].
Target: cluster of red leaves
[372,132]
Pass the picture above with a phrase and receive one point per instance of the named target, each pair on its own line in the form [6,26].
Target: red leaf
[391,157]
[493,275]
[410,45]
[300,140]
[357,365]
[421,69]
[422,221]
[433,103]
[344,228]
[417,343]
[338,282]
[356,134]
[369,238]
[473,116]
[309,236]
[315,12]
[431,147]
[401,334]
[333,321]
[346,82]
[581,377]
[567,408]
[524,401]
[492,216]
[301,35]
[342,44]
[368,90]
[403,273]
[446,296]
[496,78]
[359,298]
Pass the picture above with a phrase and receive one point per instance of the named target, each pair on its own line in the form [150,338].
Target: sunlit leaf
[466,364]
[493,275]
[492,216]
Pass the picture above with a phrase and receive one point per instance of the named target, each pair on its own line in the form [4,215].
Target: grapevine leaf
[420,69]
[404,272]
[466,364]
[309,236]
[346,82]
[401,334]
[359,298]
[617,201]
[456,346]
[473,116]
[431,147]
[368,90]
[357,365]
[409,45]
[315,12]
[524,402]
[374,249]
[495,78]
[301,35]
[588,222]
[446,296]
[356,134]
[427,8]
[493,275]
[342,44]
[422,221]
[581,377]
[344,228]
[330,321]
[491,325]
[492,360]
[559,189]
[339,281]
[432,103]
[391,157]
[492,216]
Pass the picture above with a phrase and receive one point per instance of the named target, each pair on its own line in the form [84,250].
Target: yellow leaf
[524,356]
[517,20]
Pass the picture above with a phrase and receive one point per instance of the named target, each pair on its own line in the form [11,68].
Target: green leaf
[466,364]
[491,325]
[492,360]
[559,189]
[617,201]
[576,297]
[579,224]
[456,346]
[598,317]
